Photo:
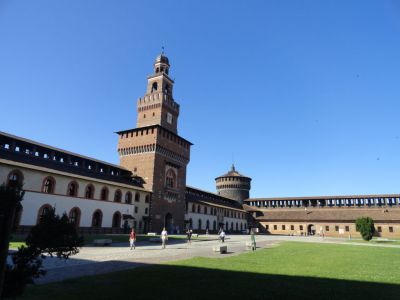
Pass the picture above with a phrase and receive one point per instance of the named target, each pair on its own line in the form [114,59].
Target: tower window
[169,118]
[154,86]
[170,179]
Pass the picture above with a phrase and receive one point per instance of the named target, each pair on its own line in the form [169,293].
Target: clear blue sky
[304,95]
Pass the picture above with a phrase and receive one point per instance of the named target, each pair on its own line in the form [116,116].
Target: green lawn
[288,271]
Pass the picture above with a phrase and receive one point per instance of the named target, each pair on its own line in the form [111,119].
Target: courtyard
[281,268]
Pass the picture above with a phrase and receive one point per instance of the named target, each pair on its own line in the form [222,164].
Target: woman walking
[132,238]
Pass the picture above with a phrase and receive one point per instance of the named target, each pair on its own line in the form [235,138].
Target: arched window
[154,86]
[190,223]
[72,189]
[199,224]
[49,184]
[170,180]
[147,199]
[232,226]
[117,196]
[241,226]
[43,210]
[104,193]
[128,197]
[137,197]
[116,220]
[193,208]
[97,218]
[15,178]
[215,225]
[89,191]
[208,224]
[198,209]
[237,226]
[75,216]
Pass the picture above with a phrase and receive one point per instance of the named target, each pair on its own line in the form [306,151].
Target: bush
[54,235]
[365,226]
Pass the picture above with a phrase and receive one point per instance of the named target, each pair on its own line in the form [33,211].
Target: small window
[137,197]
[72,189]
[275,227]
[89,192]
[146,211]
[347,228]
[128,198]
[379,229]
[267,226]
[390,229]
[136,209]
[336,228]
[48,185]
[147,199]
[326,228]
[291,227]
[117,196]
[283,227]
[154,86]
[104,194]
[301,227]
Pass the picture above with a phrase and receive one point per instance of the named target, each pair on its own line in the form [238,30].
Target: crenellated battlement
[150,101]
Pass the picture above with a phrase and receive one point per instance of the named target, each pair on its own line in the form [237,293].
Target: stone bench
[221,249]
[155,240]
[151,233]
[102,242]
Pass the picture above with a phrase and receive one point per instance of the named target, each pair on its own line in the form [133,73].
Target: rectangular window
[390,229]
[136,209]
[291,227]
[301,227]
[326,228]
[267,227]
[275,227]
[283,227]
[379,229]
[336,228]
[146,210]
[347,228]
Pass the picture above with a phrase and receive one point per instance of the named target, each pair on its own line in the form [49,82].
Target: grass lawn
[289,271]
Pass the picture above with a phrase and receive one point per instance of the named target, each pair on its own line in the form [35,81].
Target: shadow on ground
[180,282]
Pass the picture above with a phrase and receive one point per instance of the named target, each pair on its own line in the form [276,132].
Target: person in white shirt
[164,237]
[222,236]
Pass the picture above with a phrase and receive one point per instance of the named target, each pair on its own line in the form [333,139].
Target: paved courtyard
[97,260]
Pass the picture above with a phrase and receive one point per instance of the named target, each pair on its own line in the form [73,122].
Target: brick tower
[233,185]
[155,151]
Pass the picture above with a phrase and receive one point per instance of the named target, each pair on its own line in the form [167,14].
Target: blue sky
[302,95]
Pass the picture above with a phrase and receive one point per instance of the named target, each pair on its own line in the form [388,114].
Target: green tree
[53,235]
[10,197]
[365,225]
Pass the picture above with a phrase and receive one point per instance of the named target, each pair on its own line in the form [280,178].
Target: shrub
[365,226]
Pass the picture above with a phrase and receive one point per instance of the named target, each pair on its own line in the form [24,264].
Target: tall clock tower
[154,150]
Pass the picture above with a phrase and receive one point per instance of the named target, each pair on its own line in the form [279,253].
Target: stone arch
[116,220]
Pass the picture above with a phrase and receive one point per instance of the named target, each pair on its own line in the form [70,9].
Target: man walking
[164,237]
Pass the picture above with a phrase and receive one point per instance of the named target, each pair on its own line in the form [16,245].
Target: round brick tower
[233,185]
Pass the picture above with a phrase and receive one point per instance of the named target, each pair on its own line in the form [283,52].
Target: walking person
[164,237]
[253,240]
[132,238]
[222,236]
[189,233]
